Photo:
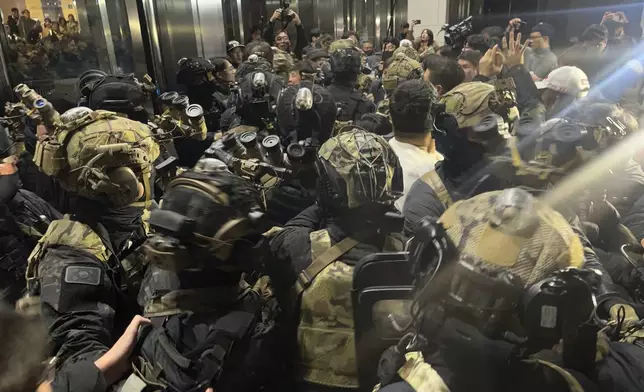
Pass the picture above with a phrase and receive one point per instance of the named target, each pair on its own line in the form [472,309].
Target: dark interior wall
[569,17]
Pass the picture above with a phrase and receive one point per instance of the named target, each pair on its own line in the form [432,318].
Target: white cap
[568,80]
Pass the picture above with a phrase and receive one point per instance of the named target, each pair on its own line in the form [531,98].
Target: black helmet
[346,59]
[203,214]
[194,71]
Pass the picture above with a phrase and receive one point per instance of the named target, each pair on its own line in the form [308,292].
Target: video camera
[456,35]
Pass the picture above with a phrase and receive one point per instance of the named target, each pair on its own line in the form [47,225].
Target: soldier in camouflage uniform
[402,68]
[105,160]
[316,251]
[283,63]
[466,106]
[345,65]
[205,229]
[497,250]
[23,218]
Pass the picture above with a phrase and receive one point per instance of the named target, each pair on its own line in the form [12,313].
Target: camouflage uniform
[402,68]
[75,268]
[325,325]
[468,103]
[501,232]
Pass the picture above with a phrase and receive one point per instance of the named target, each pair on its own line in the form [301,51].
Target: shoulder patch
[83,275]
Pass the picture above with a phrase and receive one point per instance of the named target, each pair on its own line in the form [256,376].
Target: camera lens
[248,139]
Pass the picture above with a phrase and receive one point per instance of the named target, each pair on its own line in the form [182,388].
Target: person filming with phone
[281,38]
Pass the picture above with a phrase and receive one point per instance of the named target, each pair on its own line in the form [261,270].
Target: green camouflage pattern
[383,108]
[409,52]
[469,103]
[551,244]
[354,155]
[399,70]
[326,328]
[419,375]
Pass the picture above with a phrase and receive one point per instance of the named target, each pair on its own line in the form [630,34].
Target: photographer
[282,40]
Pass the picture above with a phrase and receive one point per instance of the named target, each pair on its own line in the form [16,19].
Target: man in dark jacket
[24,218]
[281,39]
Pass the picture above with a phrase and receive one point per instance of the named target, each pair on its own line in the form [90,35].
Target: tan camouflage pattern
[326,328]
[469,103]
[341,44]
[398,71]
[409,52]
[325,332]
[65,232]
[351,153]
[79,140]
[283,63]
[552,246]
[364,83]
[383,108]
[420,375]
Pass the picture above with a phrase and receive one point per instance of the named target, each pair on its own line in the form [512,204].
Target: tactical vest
[347,111]
[159,365]
[326,328]
[438,186]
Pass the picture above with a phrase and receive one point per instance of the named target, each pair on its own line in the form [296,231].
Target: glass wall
[55,41]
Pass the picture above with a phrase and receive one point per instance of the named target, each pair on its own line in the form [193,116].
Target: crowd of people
[41,53]
[311,215]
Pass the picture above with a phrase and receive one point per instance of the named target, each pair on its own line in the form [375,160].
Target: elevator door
[51,61]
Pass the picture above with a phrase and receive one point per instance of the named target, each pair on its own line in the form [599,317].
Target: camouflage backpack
[402,68]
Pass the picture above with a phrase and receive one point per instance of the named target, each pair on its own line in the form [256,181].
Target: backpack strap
[436,183]
[321,262]
[572,382]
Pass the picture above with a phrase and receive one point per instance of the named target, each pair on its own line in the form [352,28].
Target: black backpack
[236,351]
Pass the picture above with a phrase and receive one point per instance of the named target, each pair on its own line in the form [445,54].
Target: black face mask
[9,185]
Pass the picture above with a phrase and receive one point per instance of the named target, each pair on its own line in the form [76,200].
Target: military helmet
[358,168]
[497,244]
[408,51]
[345,57]
[86,78]
[100,155]
[119,93]
[194,71]
[402,68]
[202,214]
[471,102]
[314,119]
[254,63]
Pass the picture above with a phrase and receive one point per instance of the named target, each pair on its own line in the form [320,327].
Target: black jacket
[25,213]
[343,93]
[269,36]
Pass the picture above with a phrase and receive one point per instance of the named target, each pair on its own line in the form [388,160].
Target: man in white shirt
[410,111]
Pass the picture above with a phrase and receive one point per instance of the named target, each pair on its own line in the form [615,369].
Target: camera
[286,18]
[456,35]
